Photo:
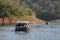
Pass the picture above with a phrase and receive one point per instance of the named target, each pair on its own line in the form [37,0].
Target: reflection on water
[39,32]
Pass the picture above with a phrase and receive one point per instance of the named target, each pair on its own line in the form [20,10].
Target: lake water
[37,32]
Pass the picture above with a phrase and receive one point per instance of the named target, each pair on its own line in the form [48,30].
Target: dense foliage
[5,10]
[46,16]
[45,7]
[14,8]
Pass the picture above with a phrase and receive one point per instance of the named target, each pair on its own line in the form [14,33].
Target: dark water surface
[37,32]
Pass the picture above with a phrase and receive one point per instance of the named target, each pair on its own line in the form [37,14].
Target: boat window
[21,24]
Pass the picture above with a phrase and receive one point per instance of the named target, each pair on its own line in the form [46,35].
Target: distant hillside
[43,5]
[13,10]
[50,7]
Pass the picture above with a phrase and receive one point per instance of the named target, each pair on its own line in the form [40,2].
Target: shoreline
[31,19]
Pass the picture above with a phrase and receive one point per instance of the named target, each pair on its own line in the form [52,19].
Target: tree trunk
[2,21]
[9,20]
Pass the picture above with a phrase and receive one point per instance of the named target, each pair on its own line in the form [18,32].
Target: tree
[29,13]
[5,11]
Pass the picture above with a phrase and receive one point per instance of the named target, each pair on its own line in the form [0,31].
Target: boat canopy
[22,22]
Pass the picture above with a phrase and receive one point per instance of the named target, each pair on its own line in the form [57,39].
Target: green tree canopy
[5,10]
